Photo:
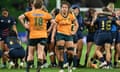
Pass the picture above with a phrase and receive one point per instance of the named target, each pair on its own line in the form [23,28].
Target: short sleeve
[26,14]
[73,18]
[13,21]
[57,18]
[48,16]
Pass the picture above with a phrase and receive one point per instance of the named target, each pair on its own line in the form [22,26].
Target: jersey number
[106,26]
[38,21]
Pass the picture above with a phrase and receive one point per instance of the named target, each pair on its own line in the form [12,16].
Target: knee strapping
[70,48]
[60,47]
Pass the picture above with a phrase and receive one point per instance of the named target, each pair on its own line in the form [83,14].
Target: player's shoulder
[58,15]
[28,12]
[11,17]
[45,12]
[71,15]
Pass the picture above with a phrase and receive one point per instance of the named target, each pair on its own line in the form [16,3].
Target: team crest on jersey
[69,19]
[11,42]
[9,21]
[1,20]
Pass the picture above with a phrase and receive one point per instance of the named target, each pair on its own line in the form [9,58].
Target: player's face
[76,11]
[111,9]
[64,8]
[110,17]
[5,13]
[118,13]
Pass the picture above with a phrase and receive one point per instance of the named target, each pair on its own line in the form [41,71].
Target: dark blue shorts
[17,53]
[118,38]
[1,53]
[95,35]
[34,42]
[103,37]
[90,37]
[77,36]
[114,35]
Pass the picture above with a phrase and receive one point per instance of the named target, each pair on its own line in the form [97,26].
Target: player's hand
[53,21]
[88,22]
[6,53]
[48,32]
[92,24]
[26,26]
[73,33]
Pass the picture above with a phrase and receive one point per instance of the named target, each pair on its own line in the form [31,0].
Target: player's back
[38,23]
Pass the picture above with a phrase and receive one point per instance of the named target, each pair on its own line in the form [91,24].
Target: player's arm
[14,25]
[75,27]
[15,29]
[94,19]
[104,12]
[54,32]
[52,21]
[21,19]
[118,22]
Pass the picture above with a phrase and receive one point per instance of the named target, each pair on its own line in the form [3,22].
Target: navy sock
[119,58]
[86,59]
[92,59]
[108,63]
[65,57]
[115,63]
[78,60]
[28,65]
[70,59]
[45,61]
[39,63]
[61,64]
[75,61]
[4,63]
[102,59]
[94,62]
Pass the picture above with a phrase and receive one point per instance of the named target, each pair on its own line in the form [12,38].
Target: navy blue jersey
[80,22]
[114,25]
[104,23]
[6,24]
[118,27]
[91,29]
